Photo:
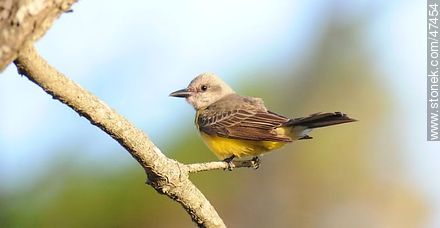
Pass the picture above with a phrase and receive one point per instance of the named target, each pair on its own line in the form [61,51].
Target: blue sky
[138,54]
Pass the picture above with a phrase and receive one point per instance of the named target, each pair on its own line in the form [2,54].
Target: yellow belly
[226,147]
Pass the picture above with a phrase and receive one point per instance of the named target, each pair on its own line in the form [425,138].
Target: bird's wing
[246,119]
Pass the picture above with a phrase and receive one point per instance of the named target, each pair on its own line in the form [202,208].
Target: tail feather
[320,120]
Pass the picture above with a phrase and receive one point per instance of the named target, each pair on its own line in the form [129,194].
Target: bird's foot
[230,163]
[256,162]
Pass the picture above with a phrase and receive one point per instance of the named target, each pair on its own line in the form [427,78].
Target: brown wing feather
[249,124]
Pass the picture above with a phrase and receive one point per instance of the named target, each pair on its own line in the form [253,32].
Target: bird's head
[204,90]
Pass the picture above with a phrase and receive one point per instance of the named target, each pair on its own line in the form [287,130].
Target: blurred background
[364,58]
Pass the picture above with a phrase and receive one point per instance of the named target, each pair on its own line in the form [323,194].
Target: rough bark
[22,22]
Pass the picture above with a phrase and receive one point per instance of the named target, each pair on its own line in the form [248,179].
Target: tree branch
[167,176]
[23,22]
[200,167]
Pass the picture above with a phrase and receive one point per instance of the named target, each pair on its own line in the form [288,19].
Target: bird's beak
[181,93]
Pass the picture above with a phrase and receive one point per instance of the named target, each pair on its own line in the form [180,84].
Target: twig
[200,167]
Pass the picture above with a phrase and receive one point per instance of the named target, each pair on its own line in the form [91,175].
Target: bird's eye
[204,87]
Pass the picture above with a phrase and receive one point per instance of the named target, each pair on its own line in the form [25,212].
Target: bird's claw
[256,162]
[228,161]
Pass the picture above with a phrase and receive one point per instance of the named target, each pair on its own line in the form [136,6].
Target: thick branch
[23,22]
[167,176]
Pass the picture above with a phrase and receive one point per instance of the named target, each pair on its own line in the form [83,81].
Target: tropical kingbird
[235,126]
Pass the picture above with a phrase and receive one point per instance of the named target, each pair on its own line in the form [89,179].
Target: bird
[234,126]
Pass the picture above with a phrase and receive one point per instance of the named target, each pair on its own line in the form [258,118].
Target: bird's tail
[302,126]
